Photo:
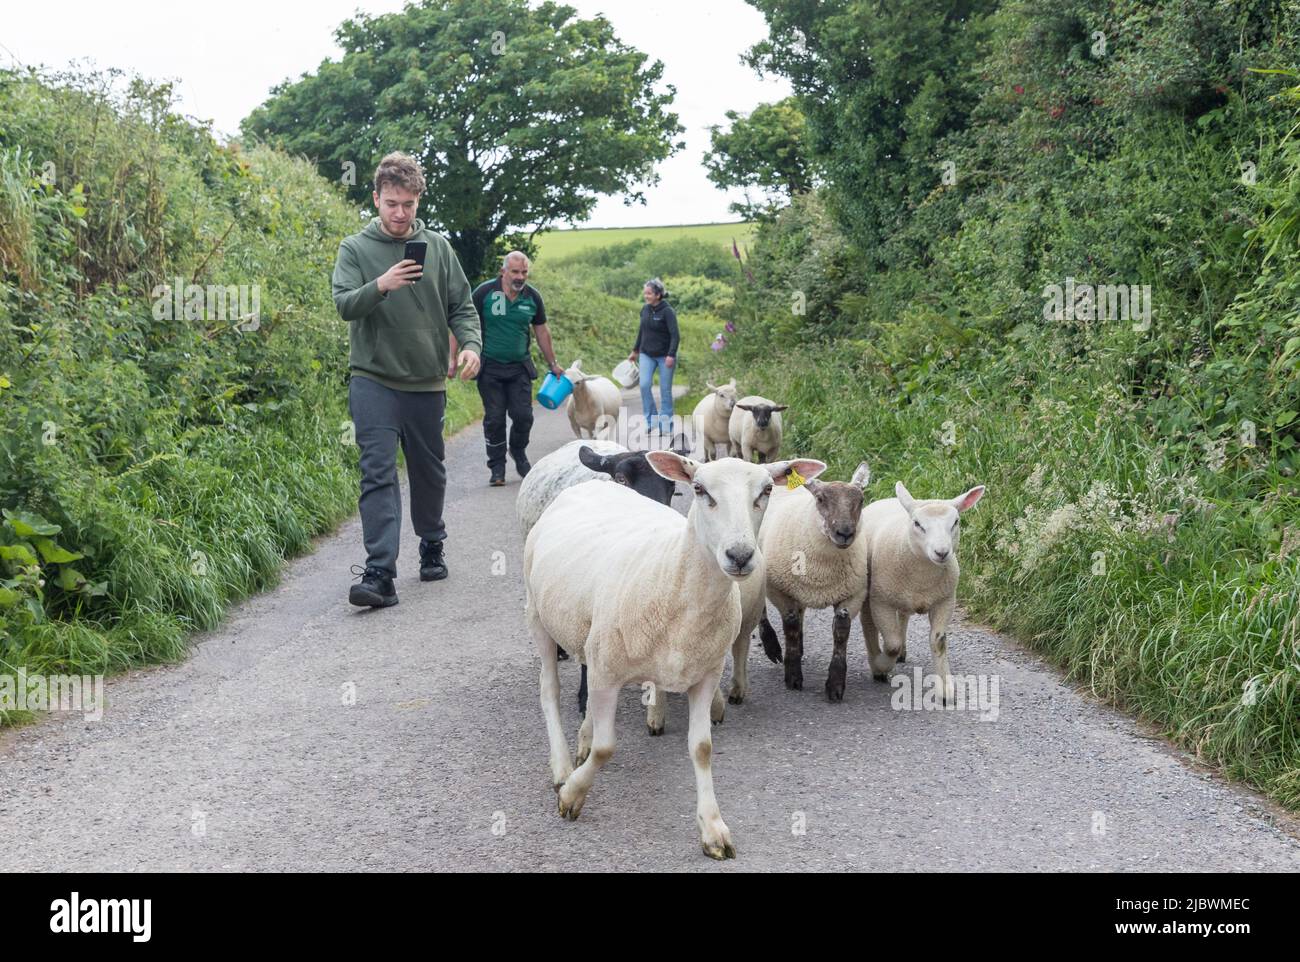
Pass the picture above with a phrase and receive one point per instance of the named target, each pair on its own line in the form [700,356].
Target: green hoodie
[400,338]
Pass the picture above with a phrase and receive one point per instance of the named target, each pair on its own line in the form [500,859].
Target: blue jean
[662,416]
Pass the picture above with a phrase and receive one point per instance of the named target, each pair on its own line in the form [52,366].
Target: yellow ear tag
[795,480]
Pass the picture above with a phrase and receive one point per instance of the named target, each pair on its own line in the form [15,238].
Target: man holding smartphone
[508,307]
[400,312]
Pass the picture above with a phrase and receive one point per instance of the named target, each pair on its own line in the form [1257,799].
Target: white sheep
[913,546]
[560,469]
[593,405]
[753,597]
[660,604]
[755,426]
[816,558]
[712,417]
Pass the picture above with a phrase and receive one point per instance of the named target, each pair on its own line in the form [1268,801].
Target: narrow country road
[249,757]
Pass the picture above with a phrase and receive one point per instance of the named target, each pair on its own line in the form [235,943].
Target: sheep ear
[862,476]
[779,407]
[964,502]
[592,460]
[904,497]
[710,385]
[744,407]
[672,466]
[731,383]
[807,468]
[577,365]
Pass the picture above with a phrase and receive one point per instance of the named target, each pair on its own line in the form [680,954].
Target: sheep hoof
[835,689]
[902,657]
[716,721]
[655,731]
[719,852]
[794,680]
[736,698]
[570,808]
[880,676]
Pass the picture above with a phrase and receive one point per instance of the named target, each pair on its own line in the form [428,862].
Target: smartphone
[415,251]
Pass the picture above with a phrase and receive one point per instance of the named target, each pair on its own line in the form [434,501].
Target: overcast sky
[225,57]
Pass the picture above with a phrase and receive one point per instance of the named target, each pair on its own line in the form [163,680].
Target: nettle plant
[31,564]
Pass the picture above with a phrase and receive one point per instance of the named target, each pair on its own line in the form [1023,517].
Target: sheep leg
[940,615]
[871,634]
[718,706]
[601,716]
[740,667]
[792,625]
[892,626]
[561,765]
[767,634]
[746,452]
[582,693]
[656,710]
[715,837]
[835,678]
[584,741]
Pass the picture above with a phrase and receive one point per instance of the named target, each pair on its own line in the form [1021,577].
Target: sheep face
[575,375]
[935,526]
[730,500]
[762,412]
[727,394]
[631,468]
[839,505]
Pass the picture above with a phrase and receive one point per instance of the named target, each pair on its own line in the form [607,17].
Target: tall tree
[520,116]
[764,150]
[881,82]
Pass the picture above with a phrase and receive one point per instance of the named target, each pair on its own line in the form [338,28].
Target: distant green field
[560,243]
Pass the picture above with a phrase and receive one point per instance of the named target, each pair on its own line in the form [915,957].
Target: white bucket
[627,374]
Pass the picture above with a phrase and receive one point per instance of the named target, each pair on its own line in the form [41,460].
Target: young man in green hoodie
[399,314]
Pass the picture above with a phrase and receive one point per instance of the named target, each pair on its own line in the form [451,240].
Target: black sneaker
[375,591]
[498,479]
[522,466]
[432,565]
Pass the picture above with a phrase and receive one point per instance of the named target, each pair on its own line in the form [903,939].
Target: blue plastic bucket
[554,391]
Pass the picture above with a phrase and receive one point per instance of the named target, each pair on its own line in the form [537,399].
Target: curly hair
[399,170]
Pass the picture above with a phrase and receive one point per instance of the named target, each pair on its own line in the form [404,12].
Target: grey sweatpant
[382,418]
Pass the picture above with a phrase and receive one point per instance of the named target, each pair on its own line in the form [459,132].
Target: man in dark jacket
[508,307]
[399,316]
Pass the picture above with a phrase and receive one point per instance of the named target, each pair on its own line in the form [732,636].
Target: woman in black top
[656,344]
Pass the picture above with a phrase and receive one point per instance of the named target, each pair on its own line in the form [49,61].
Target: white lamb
[560,469]
[816,558]
[712,418]
[755,426]
[914,570]
[588,592]
[593,405]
